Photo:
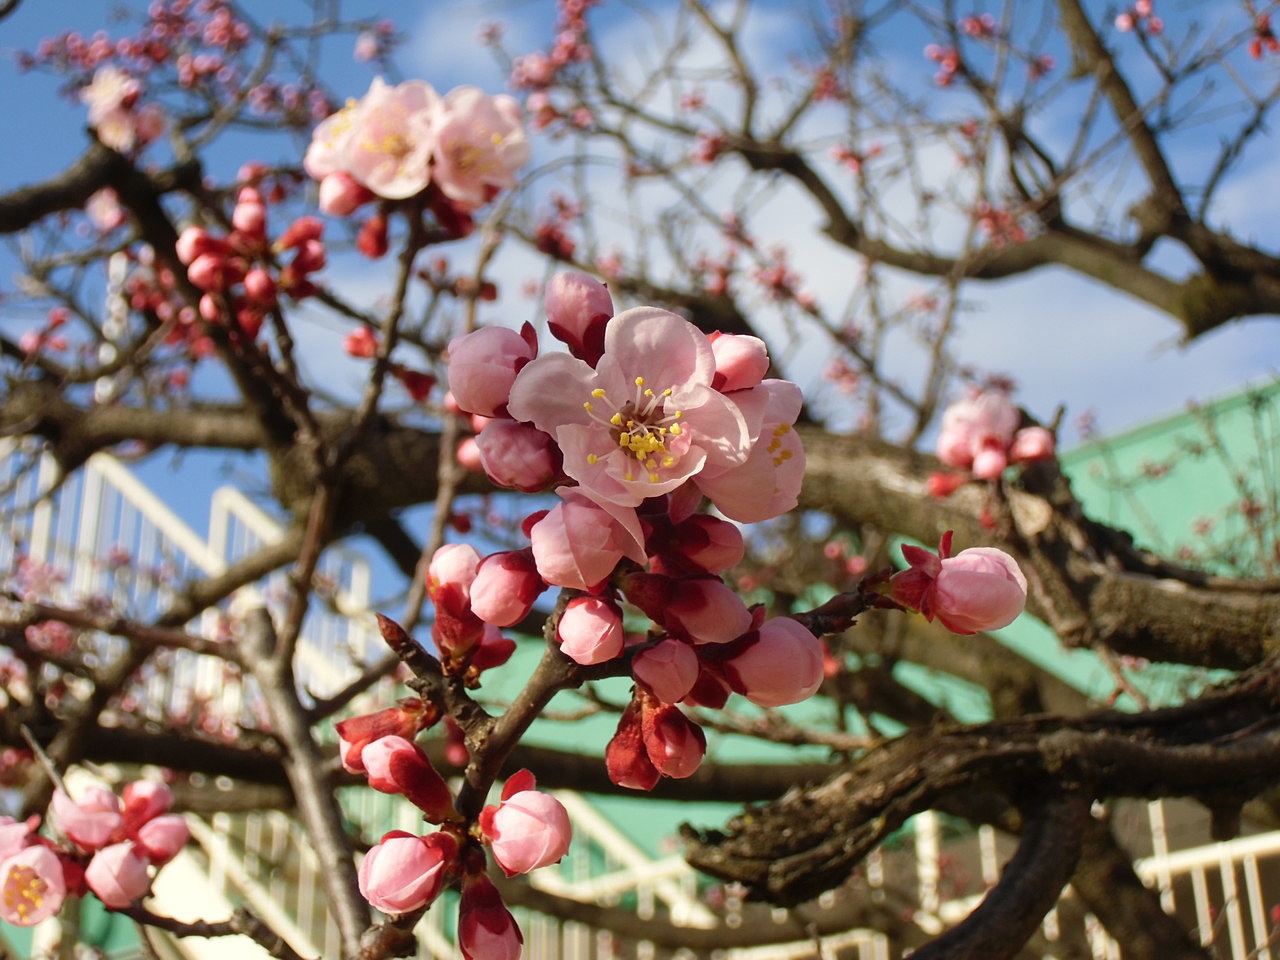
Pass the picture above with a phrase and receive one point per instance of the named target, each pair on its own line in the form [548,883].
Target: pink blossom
[449,577]
[981,588]
[708,543]
[32,886]
[391,140]
[528,830]
[341,194]
[675,743]
[403,720]
[15,834]
[111,98]
[669,669]
[163,837]
[518,456]
[484,364]
[578,308]
[590,630]
[705,610]
[404,873]
[118,875]
[505,587]
[767,483]
[741,361]
[486,929]
[645,420]
[90,822]
[1031,443]
[579,542]
[143,801]
[780,664]
[361,342]
[395,765]
[976,432]
[481,146]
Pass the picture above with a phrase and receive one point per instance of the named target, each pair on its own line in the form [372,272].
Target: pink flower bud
[405,719]
[372,239]
[260,287]
[989,462]
[394,765]
[144,800]
[213,272]
[194,241]
[449,576]
[468,455]
[675,743]
[530,829]
[518,455]
[578,308]
[712,544]
[669,669]
[32,886]
[590,630]
[299,232]
[341,194]
[505,586]
[163,837]
[486,929]
[118,875]
[627,757]
[250,214]
[781,664]
[705,610]
[741,361]
[981,588]
[404,873]
[579,543]
[310,257]
[1031,443]
[483,365]
[361,342]
[90,822]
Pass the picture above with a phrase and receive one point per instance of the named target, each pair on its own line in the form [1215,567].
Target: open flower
[481,145]
[645,420]
[32,886]
[389,146]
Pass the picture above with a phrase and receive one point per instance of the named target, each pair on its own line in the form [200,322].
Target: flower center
[23,891]
[641,426]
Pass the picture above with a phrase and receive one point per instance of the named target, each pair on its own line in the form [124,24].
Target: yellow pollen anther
[654,478]
[598,393]
[616,419]
[668,461]
[592,458]
[676,430]
[586,405]
[648,393]
[639,381]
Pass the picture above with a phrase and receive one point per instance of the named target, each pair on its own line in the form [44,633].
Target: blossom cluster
[238,274]
[528,829]
[111,845]
[980,433]
[642,419]
[396,140]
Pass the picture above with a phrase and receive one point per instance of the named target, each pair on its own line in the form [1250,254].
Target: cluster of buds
[404,872]
[238,275]
[539,71]
[980,434]
[1139,17]
[112,844]
[456,152]
[1264,38]
[948,61]
[642,419]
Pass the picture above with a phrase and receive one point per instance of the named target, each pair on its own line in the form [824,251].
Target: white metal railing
[103,534]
